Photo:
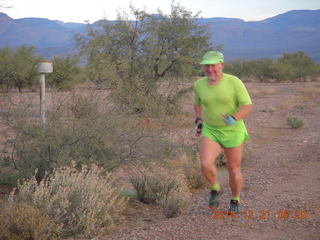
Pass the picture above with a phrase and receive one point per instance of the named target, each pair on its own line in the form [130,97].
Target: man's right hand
[199,126]
[199,129]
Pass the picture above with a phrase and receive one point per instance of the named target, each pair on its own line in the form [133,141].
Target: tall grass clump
[22,221]
[85,202]
[167,190]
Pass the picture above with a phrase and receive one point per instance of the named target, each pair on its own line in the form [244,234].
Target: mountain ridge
[296,30]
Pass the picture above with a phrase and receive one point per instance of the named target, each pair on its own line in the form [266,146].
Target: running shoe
[234,207]
[214,198]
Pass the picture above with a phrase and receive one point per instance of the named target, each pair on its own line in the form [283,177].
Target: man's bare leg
[234,157]
[209,151]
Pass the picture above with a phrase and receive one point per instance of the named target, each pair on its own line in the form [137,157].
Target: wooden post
[43,68]
[42,100]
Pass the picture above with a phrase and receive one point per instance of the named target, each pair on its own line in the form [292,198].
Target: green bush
[86,202]
[262,69]
[295,122]
[290,66]
[65,74]
[87,140]
[81,128]
[18,68]
[298,66]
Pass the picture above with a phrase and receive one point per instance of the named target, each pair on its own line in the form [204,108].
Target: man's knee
[206,163]
[234,170]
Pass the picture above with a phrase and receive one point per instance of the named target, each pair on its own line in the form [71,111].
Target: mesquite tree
[138,51]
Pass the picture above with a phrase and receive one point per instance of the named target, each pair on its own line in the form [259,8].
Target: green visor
[212,57]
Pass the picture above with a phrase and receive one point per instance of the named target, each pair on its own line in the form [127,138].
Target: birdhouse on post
[43,68]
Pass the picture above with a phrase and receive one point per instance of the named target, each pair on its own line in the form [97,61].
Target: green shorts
[227,136]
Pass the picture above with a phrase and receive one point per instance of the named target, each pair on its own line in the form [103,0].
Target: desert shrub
[296,66]
[82,107]
[86,202]
[167,190]
[193,173]
[81,128]
[149,186]
[101,70]
[172,205]
[9,178]
[17,67]
[295,122]
[261,69]
[65,74]
[290,66]
[23,221]
[60,142]
[194,176]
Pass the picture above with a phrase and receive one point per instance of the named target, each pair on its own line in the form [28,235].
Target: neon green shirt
[226,97]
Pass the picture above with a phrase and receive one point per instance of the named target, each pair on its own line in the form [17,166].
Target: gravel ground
[280,199]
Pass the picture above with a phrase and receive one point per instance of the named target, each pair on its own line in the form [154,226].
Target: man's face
[213,71]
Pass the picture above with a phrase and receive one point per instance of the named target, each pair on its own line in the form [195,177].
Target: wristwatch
[234,117]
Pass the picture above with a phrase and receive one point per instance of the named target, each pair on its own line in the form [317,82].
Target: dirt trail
[281,178]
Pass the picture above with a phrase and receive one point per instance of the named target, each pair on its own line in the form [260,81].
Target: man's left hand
[229,119]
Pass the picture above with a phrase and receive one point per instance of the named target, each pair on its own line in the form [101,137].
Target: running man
[224,101]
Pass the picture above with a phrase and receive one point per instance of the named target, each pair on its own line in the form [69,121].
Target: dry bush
[85,202]
[193,173]
[22,221]
[159,186]
[173,205]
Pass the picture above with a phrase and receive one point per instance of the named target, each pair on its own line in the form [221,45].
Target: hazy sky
[93,10]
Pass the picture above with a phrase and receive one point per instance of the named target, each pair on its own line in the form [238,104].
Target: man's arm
[197,111]
[243,112]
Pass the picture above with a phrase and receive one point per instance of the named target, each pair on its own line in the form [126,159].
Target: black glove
[199,126]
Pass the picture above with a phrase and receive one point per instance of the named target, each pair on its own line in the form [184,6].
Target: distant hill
[297,30]
[49,37]
[288,32]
